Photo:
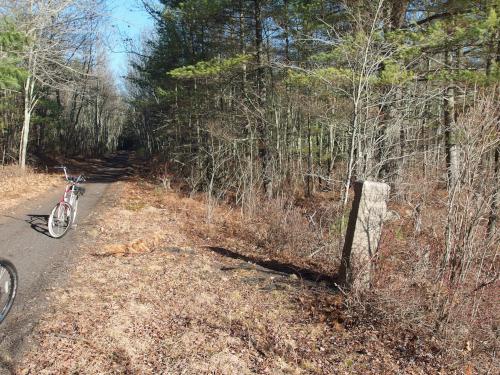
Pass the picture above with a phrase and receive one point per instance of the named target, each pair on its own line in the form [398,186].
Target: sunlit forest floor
[161,290]
[17,186]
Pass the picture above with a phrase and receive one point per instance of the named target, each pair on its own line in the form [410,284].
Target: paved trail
[41,261]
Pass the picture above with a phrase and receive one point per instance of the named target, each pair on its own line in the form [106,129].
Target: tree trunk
[309,178]
[241,19]
[451,147]
[390,168]
[493,217]
[352,152]
[28,109]
[261,99]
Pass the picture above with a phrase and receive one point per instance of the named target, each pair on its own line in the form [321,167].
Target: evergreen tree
[11,42]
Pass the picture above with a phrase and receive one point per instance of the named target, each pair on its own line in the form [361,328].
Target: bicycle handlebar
[76,180]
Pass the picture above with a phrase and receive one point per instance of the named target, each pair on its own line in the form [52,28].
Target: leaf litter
[148,297]
[17,186]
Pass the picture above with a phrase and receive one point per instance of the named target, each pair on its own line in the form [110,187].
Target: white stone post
[363,233]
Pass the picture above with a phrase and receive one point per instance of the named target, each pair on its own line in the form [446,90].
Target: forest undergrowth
[162,289]
[17,185]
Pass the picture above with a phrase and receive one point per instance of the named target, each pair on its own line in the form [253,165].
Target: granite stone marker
[363,233]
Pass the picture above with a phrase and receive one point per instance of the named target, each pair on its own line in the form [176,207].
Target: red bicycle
[63,215]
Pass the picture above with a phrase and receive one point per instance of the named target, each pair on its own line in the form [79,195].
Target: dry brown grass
[408,291]
[149,297]
[16,185]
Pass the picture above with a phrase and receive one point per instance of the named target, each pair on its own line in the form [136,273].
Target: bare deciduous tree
[59,34]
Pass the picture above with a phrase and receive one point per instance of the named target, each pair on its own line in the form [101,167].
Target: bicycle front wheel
[60,219]
[8,287]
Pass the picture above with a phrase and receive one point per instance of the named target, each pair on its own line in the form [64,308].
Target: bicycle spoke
[8,286]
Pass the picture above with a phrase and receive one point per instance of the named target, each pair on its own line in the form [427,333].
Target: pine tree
[11,42]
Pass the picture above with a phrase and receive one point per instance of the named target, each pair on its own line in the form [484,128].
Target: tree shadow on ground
[107,169]
[280,267]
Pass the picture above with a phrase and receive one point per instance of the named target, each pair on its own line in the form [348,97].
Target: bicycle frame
[69,195]
[63,215]
[72,190]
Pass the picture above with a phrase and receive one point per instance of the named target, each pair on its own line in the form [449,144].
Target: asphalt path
[41,260]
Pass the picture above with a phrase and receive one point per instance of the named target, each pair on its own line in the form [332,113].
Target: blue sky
[127,20]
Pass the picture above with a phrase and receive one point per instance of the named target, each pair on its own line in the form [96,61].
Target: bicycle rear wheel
[8,287]
[60,219]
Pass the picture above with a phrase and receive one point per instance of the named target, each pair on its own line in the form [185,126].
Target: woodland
[275,107]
